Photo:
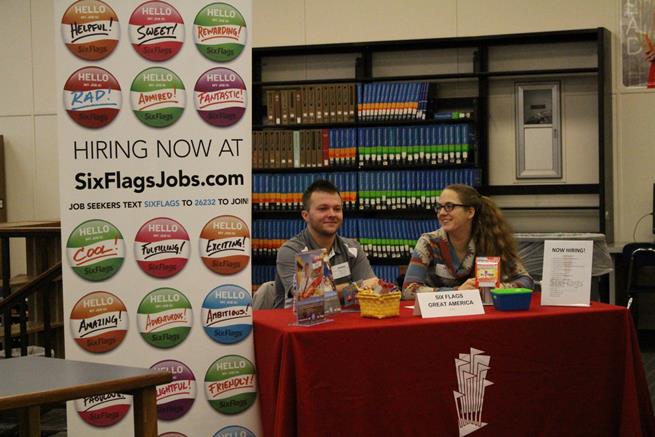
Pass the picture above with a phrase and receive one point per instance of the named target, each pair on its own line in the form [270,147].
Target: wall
[27,114]
[27,109]
[314,22]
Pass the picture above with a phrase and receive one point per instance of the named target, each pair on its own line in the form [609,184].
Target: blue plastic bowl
[511,299]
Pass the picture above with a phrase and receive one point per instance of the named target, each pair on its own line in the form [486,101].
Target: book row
[385,101]
[328,103]
[389,190]
[451,115]
[392,238]
[362,190]
[303,148]
[283,192]
[266,272]
[269,235]
[370,146]
[381,238]
[432,144]
[345,103]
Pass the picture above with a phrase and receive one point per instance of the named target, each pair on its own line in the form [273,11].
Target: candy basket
[379,306]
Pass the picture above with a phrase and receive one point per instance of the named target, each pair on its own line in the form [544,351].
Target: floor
[53,423]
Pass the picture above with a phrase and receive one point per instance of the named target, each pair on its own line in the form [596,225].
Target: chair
[264,297]
[640,258]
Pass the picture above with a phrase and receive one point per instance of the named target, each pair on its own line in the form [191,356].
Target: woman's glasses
[448,207]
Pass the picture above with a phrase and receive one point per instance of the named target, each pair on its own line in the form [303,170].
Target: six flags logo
[472,381]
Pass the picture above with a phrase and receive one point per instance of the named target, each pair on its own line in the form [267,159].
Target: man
[323,213]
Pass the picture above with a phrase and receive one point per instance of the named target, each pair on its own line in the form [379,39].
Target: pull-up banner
[154,133]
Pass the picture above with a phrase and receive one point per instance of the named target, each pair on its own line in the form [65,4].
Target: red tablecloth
[555,371]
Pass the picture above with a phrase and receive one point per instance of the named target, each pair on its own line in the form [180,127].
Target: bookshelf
[398,121]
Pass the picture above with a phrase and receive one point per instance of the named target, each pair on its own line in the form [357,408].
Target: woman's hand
[468,285]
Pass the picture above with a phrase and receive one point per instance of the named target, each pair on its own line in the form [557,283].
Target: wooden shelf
[550,72]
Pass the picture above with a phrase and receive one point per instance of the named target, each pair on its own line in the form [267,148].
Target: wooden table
[28,382]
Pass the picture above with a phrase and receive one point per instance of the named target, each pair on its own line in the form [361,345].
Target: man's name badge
[340,271]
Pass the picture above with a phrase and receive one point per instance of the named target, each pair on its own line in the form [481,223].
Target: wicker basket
[379,306]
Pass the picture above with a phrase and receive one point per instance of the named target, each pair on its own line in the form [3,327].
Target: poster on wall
[154,134]
[638,43]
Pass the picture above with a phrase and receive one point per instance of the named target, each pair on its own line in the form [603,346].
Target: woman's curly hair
[490,231]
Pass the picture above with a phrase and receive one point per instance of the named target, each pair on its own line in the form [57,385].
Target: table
[28,382]
[552,371]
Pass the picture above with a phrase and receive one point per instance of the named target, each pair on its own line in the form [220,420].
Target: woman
[471,225]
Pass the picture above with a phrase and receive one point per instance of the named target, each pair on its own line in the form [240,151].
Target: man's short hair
[321,185]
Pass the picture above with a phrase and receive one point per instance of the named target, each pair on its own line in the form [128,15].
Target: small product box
[511,299]
[487,276]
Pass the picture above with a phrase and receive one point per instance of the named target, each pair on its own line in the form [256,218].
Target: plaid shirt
[430,270]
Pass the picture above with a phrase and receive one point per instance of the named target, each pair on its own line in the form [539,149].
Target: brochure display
[154,135]
[313,287]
